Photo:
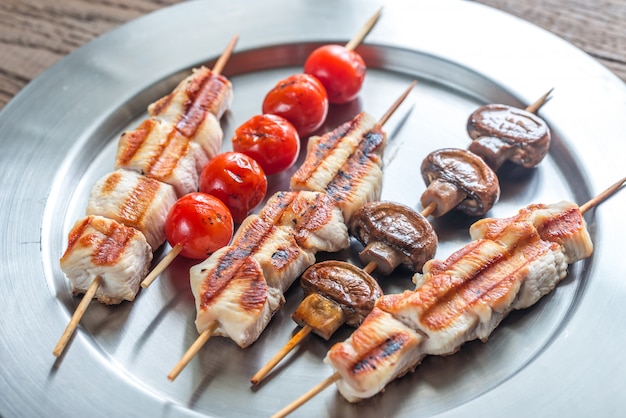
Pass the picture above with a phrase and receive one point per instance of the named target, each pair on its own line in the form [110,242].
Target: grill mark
[138,201]
[164,162]
[134,140]
[236,271]
[108,246]
[561,226]
[204,93]
[380,354]
[488,285]
[358,165]
[325,146]
[317,214]
[112,246]
[249,240]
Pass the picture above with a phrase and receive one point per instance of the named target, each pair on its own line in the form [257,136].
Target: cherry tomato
[237,180]
[199,222]
[301,99]
[270,139]
[339,69]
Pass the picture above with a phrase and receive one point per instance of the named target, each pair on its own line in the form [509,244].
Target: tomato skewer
[339,68]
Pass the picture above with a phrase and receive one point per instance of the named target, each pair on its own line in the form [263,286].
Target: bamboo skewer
[192,350]
[306,330]
[176,249]
[77,316]
[534,108]
[358,38]
[336,376]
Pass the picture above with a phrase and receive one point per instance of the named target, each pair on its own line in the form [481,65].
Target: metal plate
[562,356]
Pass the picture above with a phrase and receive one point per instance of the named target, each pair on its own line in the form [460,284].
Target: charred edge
[387,348]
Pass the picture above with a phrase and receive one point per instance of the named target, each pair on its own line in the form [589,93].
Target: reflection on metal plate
[60,135]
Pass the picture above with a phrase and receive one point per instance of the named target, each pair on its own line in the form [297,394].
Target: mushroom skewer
[392,234]
[571,243]
[500,133]
[336,292]
[460,179]
[466,179]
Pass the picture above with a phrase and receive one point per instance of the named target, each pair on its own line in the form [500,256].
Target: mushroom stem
[386,257]
[444,194]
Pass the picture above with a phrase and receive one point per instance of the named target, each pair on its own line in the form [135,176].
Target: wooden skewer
[308,395]
[76,317]
[160,268]
[358,38]
[291,344]
[223,59]
[534,108]
[192,351]
[306,330]
[171,255]
[593,202]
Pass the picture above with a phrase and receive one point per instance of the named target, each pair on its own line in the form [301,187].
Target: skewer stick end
[161,266]
[77,316]
[192,351]
[291,344]
[534,108]
[367,27]
[595,201]
[307,396]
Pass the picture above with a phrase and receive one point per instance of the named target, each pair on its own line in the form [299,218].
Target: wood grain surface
[34,34]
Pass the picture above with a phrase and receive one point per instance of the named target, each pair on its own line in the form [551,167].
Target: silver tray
[562,356]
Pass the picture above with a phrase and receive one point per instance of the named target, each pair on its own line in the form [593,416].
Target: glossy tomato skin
[270,139]
[339,69]
[301,99]
[237,180]
[199,222]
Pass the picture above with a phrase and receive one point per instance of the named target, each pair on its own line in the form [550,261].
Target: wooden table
[34,34]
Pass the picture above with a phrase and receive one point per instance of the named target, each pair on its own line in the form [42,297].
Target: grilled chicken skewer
[102,251]
[210,94]
[355,148]
[527,255]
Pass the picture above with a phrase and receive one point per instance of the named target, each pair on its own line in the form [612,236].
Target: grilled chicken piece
[241,286]
[345,163]
[102,247]
[195,107]
[134,200]
[380,350]
[393,234]
[500,133]
[510,264]
[336,293]
[157,150]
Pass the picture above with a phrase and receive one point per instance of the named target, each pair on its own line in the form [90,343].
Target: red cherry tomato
[301,99]
[237,180]
[270,139]
[339,69]
[199,222]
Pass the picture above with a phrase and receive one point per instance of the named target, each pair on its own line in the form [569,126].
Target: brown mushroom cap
[393,234]
[349,286]
[502,133]
[458,179]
